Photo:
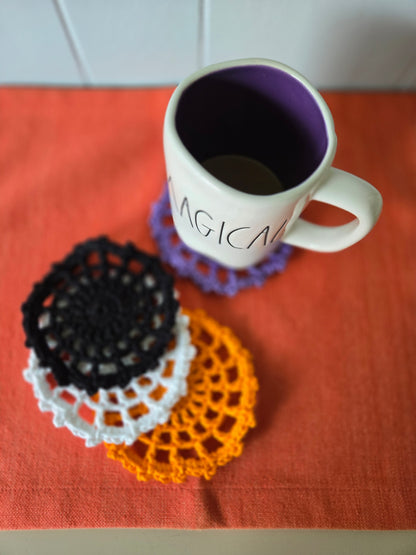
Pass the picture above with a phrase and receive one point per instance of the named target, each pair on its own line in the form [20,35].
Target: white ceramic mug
[248,144]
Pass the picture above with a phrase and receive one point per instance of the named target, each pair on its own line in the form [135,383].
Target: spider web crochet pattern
[206,428]
[118,415]
[101,316]
[210,276]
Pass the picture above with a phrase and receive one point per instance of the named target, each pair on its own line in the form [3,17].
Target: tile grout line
[73,41]
[203,32]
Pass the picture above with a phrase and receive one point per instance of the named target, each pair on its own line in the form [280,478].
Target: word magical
[242,237]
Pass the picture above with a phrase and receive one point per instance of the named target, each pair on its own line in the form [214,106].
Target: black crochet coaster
[101,316]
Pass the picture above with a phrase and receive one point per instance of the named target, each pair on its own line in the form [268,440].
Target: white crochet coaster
[118,415]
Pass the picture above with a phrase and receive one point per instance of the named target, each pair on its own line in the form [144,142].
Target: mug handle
[345,191]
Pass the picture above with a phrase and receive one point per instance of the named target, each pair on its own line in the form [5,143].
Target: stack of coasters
[117,360]
[208,275]
[207,426]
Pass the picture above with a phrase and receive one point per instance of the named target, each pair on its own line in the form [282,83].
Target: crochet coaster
[118,415]
[206,428]
[101,316]
[204,272]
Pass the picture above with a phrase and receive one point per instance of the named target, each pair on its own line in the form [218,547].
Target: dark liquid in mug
[254,127]
[244,174]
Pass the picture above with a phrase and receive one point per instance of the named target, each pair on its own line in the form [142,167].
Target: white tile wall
[33,47]
[341,44]
[135,42]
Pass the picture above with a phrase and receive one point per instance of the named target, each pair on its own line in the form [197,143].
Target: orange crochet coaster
[206,426]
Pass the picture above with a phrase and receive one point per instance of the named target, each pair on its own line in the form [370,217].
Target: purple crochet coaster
[210,276]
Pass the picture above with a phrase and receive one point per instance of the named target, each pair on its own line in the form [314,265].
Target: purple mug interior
[257,111]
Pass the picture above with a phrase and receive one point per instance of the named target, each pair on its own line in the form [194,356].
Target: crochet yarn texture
[207,426]
[118,415]
[101,316]
[204,272]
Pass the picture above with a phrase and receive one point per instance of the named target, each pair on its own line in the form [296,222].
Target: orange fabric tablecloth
[333,338]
